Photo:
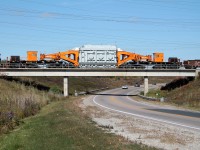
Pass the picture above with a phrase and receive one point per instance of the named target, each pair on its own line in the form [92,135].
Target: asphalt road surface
[119,101]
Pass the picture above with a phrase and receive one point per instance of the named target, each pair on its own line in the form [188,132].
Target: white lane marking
[157,106]
[145,117]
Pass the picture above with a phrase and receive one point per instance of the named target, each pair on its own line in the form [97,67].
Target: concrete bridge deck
[96,72]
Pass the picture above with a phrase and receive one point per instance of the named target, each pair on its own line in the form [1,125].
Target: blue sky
[140,26]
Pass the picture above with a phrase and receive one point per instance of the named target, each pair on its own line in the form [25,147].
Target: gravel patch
[156,134]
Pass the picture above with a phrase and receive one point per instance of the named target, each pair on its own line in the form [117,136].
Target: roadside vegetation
[186,95]
[26,124]
[83,84]
[18,101]
[61,125]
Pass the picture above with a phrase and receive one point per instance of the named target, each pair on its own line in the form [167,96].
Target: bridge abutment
[66,86]
[146,85]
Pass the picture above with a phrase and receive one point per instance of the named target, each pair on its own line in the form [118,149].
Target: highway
[118,101]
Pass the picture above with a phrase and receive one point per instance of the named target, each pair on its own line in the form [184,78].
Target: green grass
[156,93]
[61,125]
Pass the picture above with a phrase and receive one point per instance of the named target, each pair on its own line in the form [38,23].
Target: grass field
[61,125]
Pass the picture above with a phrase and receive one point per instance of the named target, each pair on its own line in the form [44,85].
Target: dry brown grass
[18,101]
[188,95]
[185,96]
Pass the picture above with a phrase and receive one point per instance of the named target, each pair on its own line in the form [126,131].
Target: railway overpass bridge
[66,72]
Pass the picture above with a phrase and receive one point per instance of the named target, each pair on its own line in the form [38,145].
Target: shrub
[55,90]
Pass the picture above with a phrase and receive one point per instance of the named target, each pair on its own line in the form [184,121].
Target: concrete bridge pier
[66,87]
[197,73]
[146,85]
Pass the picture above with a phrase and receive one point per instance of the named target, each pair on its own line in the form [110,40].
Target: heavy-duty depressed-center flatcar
[96,56]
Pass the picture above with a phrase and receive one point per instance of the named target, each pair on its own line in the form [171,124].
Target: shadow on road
[112,94]
[178,112]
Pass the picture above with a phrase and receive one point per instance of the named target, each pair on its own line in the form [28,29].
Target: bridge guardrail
[162,99]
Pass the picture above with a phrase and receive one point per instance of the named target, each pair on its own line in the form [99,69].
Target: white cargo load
[98,47]
[97,56]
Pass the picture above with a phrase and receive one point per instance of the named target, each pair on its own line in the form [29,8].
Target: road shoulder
[139,130]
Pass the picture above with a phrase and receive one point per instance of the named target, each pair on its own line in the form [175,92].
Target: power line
[90,34]
[184,5]
[56,15]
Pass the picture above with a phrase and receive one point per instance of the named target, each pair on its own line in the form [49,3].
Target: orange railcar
[32,56]
[158,57]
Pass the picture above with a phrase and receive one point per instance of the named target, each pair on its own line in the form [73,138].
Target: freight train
[98,56]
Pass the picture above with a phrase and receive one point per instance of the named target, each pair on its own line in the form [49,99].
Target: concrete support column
[146,85]
[197,74]
[66,87]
